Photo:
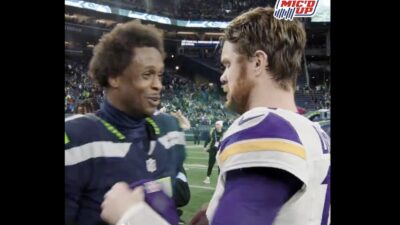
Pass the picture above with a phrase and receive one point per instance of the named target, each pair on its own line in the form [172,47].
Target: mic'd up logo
[288,9]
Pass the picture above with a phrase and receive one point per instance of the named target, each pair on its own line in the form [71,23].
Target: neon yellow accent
[262,145]
[111,128]
[312,113]
[153,124]
[66,138]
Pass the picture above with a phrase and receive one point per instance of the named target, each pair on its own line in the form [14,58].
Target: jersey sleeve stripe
[272,126]
[263,144]
[172,138]
[97,149]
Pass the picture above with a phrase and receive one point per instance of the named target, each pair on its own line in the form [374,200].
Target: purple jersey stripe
[273,126]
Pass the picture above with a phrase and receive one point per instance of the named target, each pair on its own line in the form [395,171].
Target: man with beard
[274,163]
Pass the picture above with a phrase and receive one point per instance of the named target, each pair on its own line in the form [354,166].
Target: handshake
[143,202]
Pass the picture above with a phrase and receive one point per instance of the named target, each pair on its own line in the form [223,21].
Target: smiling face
[137,91]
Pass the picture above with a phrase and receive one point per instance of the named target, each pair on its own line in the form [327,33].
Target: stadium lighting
[213,33]
[185,32]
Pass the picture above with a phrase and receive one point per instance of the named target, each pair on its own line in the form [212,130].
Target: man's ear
[261,61]
[114,82]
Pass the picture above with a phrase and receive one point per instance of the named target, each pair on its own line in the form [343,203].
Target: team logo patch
[288,9]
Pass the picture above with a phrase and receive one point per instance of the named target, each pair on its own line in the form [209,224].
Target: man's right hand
[200,218]
[118,200]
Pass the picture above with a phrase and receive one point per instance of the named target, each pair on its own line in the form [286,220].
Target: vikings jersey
[281,139]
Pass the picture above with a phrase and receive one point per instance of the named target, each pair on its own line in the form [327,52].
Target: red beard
[238,96]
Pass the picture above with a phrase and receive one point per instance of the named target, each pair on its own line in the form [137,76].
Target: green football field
[196,169]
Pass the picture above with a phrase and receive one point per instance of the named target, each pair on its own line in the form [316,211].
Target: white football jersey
[277,138]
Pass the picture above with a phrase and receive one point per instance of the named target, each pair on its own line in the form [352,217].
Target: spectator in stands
[70,104]
[87,106]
